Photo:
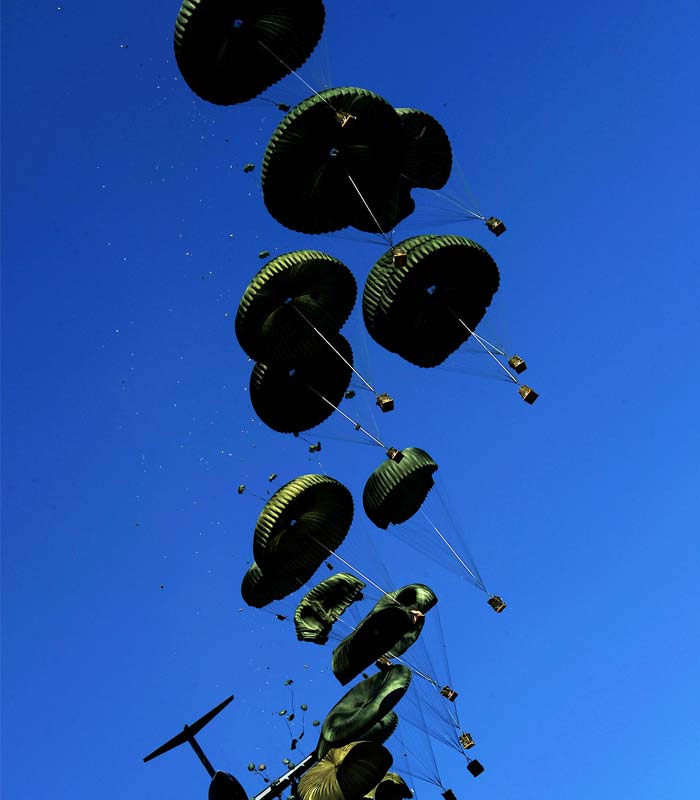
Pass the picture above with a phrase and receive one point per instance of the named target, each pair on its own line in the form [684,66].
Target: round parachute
[333,156]
[396,490]
[345,773]
[319,609]
[300,524]
[415,596]
[229,51]
[292,400]
[288,299]
[391,787]
[365,711]
[425,308]
[428,160]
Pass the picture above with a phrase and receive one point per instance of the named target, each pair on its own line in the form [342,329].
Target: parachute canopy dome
[300,524]
[365,711]
[229,51]
[289,297]
[376,635]
[345,773]
[224,786]
[391,787]
[424,309]
[319,609]
[428,159]
[331,157]
[395,491]
[297,399]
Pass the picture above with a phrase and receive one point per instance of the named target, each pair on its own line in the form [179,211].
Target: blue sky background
[129,234]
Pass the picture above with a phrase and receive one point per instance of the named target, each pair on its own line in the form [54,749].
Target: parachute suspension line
[386,236]
[475,578]
[348,564]
[335,350]
[444,501]
[478,339]
[347,417]
[493,347]
[420,674]
[461,206]
[294,72]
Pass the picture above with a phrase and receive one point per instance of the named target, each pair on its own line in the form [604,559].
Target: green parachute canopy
[345,773]
[319,609]
[428,155]
[365,712]
[300,524]
[425,308]
[289,302]
[396,490]
[415,596]
[391,787]
[333,156]
[229,51]
[290,400]
[376,635]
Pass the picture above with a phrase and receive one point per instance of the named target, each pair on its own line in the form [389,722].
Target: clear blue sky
[129,232]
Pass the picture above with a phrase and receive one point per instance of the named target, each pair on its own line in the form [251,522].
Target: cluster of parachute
[343,157]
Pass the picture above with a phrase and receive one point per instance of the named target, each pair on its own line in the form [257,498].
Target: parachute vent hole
[292,373]
[333,152]
[237,23]
[432,289]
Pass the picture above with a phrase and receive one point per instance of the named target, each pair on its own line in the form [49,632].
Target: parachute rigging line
[295,73]
[476,578]
[335,350]
[478,339]
[386,236]
[357,425]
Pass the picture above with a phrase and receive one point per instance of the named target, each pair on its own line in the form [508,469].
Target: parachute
[396,489]
[346,157]
[391,787]
[346,773]
[365,712]
[289,302]
[302,521]
[229,51]
[390,628]
[322,605]
[290,400]
[426,307]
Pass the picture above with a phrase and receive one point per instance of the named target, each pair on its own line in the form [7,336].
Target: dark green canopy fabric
[417,310]
[229,51]
[378,632]
[259,589]
[319,609]
[289,297]
[345,773]
[416,596]
[382,730]
[292,400]
[224,786]
[396,490]
[365,712]
[333,155]
[300,524]
[428,159]
[391,787]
